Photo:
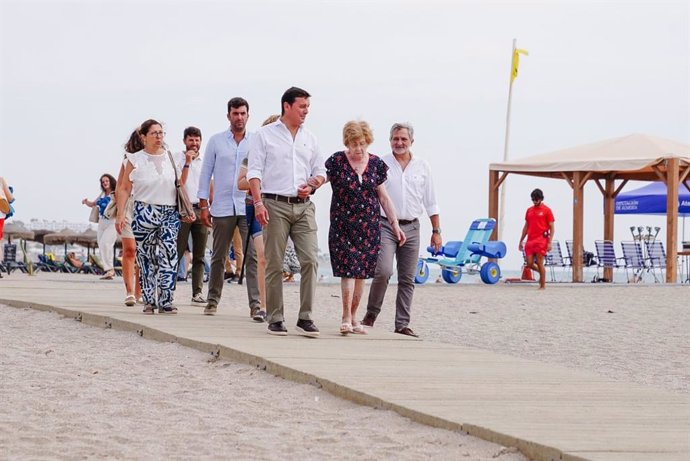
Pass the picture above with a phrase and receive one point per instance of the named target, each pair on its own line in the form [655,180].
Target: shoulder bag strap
[177,180]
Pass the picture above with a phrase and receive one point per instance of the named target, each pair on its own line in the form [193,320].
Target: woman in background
[106,234]
[255,232]
[130,271]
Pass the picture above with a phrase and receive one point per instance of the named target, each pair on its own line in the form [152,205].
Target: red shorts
[2,224]
[536,246]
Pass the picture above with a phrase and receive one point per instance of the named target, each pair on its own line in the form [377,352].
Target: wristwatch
[436,230]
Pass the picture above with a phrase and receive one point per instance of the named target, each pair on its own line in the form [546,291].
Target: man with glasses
[224,210]
[539,230]
[411,188]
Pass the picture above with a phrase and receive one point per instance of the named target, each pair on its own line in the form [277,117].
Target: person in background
[106,235]
[199,232]
[357,178]
[5,197]
[410,187]
[286,164]
[222,158]
[255,232]
[130,270]
[150,178]
[538,229]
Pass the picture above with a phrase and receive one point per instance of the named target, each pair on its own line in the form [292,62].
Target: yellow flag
[516,62]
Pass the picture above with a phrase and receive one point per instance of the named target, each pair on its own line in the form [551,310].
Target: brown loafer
[369,319]
[406,331]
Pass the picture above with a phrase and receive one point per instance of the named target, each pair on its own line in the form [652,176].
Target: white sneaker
[197,298]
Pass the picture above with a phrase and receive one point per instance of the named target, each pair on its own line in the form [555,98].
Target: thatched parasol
[39,234]
[87,239]
[66,236]
[16,229]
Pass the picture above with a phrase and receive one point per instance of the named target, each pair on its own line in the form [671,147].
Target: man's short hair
[355,131]
[402,126]
[236,103]
[290,95]
[537,194]
[191,131]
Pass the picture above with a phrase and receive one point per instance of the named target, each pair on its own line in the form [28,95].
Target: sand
[71,391]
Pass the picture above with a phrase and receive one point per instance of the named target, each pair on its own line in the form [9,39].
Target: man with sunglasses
[539,231]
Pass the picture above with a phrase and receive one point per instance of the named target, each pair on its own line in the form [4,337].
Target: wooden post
[493,201]
[672,182]
[578,215]
[608,218]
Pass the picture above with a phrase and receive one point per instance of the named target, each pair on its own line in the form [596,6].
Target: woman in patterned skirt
[354,237]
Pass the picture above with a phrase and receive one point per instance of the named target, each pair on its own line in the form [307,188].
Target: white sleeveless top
[153,178]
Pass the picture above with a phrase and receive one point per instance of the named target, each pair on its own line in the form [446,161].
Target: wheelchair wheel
[451,275]
[490,273]
[422,274]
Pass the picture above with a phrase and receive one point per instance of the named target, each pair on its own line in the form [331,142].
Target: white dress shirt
[192,184]
[412,190]
[281,163]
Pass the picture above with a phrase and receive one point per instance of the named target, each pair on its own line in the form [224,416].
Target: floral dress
[355,233]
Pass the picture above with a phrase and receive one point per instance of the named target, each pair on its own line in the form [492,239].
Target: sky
[77,77]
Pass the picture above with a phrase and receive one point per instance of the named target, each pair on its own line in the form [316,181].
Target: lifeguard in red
[538,218]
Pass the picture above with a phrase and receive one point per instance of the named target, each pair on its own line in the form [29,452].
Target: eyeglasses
[157,134]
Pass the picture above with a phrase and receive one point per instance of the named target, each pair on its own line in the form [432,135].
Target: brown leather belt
[284,198]
[403,222]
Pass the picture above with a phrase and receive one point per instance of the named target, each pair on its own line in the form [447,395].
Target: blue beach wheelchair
[457,257]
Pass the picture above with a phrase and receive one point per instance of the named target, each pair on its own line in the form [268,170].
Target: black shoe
[406,331]
[369,319]
[307,328]
[277,329]
[259,316]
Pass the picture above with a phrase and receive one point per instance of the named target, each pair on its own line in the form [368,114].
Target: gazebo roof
[630,157]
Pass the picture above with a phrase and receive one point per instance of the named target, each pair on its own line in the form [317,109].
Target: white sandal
[346,328]
[358,329]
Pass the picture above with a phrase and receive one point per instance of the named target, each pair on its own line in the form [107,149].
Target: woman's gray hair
[403,126]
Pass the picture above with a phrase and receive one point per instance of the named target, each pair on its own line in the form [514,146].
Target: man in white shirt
[411,188]
[285,168]
[199,232]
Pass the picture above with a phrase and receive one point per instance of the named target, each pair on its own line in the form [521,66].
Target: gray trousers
[406,256]
[299,222]
[199,236]
[223,230]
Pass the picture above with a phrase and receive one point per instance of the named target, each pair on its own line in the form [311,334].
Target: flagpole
[502,201]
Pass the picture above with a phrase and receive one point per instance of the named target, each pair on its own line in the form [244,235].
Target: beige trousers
[299,222]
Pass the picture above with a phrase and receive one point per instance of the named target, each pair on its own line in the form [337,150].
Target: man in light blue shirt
[224,154]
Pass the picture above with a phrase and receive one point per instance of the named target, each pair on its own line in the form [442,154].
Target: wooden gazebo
[610,164]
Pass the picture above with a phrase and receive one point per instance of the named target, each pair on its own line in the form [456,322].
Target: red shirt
[538,220]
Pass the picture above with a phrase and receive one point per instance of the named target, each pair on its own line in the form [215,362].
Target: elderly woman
[106,234]
[149,177]
[354,237]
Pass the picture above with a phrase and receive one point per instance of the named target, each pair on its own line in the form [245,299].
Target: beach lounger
[656,259]
[634,261]
[456,257]
[606,257]
[10,262]
[554,259]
